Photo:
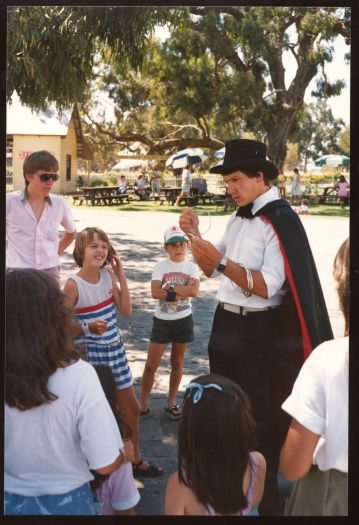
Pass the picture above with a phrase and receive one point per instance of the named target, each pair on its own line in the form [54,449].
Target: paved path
[140,245]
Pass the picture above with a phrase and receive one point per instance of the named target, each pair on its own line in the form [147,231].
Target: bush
[112,177]
[98,182]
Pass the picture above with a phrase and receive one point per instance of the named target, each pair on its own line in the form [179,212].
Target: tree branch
[233,11]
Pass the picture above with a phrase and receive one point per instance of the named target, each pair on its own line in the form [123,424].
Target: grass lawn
[328,210]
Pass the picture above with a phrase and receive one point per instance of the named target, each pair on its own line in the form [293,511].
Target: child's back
[218,472]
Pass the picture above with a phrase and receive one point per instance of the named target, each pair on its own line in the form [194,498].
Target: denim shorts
[176,331]
[76,502]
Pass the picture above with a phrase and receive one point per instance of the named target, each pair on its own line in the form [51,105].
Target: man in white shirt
[256,340]
[186,184]
[33,216]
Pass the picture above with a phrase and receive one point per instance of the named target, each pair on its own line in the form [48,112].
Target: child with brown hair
[95,292]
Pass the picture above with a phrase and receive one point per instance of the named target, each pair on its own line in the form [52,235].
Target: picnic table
[171,193]
[101,195]
[329,194]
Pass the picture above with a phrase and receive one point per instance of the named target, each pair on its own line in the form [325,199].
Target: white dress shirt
[253,243]
[32,243]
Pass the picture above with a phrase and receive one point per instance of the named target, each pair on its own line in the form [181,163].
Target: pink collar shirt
[32,244]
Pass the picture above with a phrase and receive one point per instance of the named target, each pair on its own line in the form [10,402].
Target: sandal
[174,412]
[144,413]
[151,472]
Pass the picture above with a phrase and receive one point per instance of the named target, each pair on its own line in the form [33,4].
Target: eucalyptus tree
[51,50]
[220,72]
[316,131]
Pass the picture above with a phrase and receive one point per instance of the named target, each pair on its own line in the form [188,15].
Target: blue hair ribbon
[199,389]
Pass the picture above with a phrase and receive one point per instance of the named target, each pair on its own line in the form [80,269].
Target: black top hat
[246,155]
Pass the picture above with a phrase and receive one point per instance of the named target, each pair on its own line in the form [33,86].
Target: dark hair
[296,170]
[84,238]
[215,438]
[342,178]
[341,275]
[108,383]
[39,160]
[251,174]
[38,336]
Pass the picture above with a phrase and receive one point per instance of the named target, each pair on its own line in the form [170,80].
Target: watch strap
[85,328]
[222,264]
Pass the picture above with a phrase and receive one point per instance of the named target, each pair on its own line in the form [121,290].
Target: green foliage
[344,141]
[112,177]
[51,49]
[316,131]
[292,157]
[218,75]
[98,182]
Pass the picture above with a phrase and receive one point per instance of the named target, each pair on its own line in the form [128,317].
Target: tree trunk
[277,135]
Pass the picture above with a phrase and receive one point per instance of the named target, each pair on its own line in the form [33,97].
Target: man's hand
[189,222]
[205,253]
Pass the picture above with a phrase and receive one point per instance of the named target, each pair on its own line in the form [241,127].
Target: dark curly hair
[215,438]
[38,336]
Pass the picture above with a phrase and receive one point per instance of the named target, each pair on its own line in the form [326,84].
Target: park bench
[117,199]
[77,196]
[329,195]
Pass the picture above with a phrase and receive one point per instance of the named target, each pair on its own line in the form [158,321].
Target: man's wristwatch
[222,264]
[170,288]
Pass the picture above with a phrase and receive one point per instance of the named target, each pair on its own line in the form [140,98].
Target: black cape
[304,320]
[301,273]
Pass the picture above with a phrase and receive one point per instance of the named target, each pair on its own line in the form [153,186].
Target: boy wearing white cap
[174,281]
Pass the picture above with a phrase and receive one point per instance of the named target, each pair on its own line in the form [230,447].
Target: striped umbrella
[186,156]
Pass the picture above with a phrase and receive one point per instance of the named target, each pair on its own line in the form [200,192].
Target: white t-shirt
[253,243]
[186,180]
[174,273]
[319,402]
[49,449]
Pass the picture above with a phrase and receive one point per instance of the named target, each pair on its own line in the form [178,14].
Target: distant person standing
[281,185]
[186,184]
[155,183]
[296,191]
[33,217]
[342,186]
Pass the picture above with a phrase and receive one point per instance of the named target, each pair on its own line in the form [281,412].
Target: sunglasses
[44,177]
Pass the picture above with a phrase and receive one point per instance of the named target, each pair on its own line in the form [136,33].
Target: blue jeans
[76,502]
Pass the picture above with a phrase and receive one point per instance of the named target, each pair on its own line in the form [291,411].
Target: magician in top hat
[271,311]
